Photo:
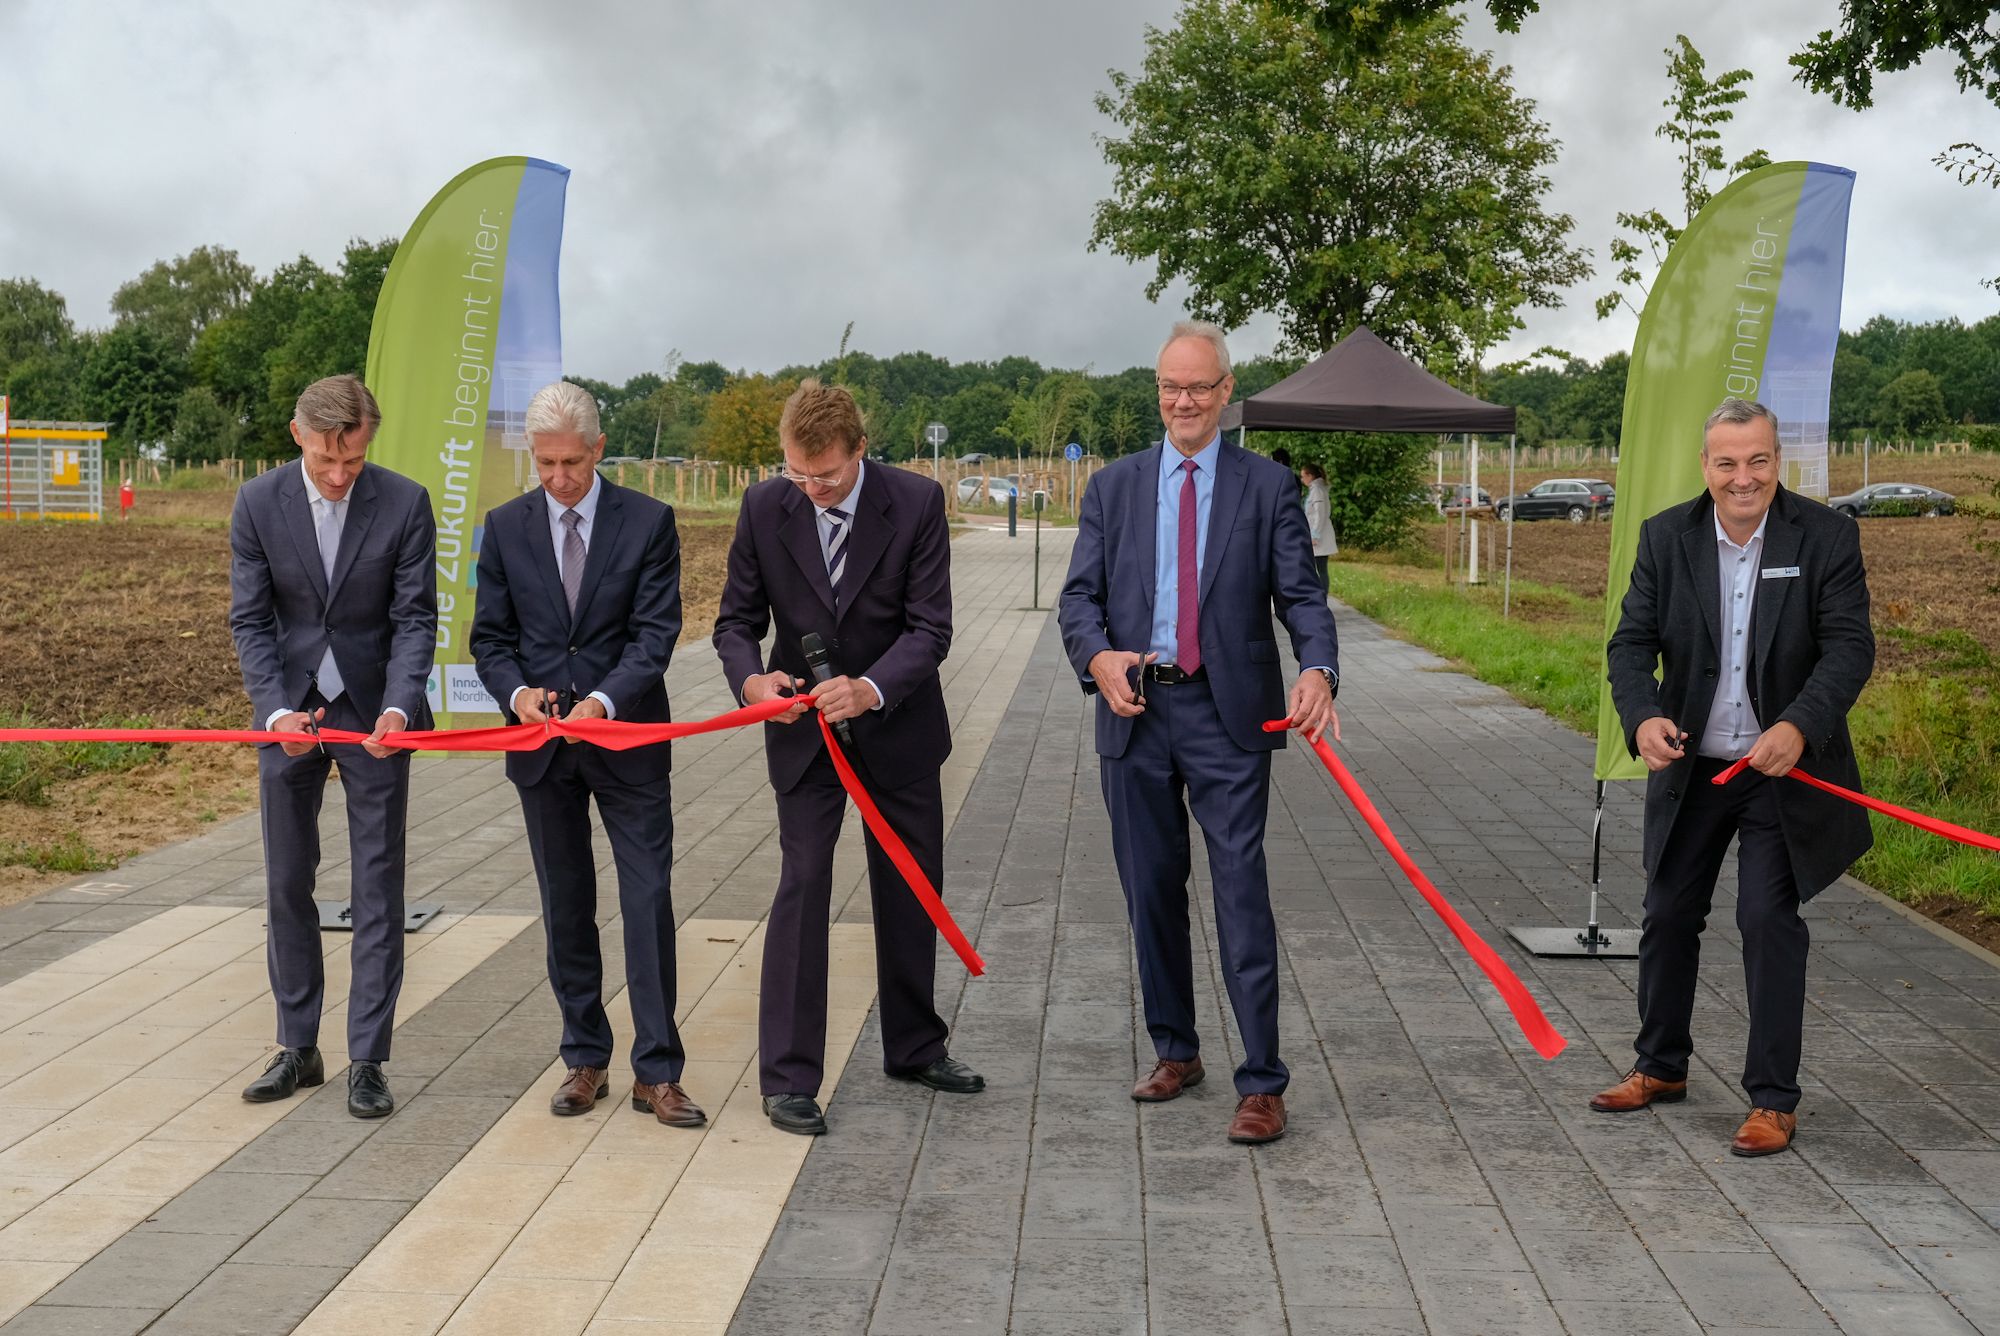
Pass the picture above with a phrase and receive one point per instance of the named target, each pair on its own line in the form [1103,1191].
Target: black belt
[1168,675]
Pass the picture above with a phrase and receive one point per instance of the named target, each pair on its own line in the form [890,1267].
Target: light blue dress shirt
[1167,538]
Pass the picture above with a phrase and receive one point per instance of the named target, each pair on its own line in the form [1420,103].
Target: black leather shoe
[367,1092]
[795,1113]
[290,1069]
[949,1075]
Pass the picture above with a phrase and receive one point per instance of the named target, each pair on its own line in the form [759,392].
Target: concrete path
[1438,1177]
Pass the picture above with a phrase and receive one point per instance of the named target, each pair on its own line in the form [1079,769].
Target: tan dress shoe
[1167,1079]
[1764,1132]
[1636,1091]
[1259,1118]
[667,1102]
[579,1092]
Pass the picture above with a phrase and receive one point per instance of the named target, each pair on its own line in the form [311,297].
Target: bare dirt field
[1928,578]
[106,623]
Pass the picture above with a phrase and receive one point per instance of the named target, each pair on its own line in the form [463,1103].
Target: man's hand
[534,705]
[389,721]
[588,708]
[295,722]
[762,687]
[1661,742]
[1778,750]
[1312,706]
[1110,668]
[844,698]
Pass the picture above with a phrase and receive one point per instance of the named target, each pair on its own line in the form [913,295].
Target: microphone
[822,670]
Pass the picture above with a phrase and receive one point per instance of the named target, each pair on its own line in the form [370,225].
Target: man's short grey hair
[1199,329]
[336,407]
[561,408]
[1736,412]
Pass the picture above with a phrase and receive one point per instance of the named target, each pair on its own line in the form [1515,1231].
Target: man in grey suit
[1753,604]
[334,611]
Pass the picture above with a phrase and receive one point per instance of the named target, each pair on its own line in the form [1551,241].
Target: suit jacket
[627,618]
[379,612]
[1258,560]
[1811,653]
[894,629]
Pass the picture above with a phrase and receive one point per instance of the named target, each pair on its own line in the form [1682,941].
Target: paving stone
[232,1204]
[143,1271]
[240,1300]
[829,1245]
[1081,1276]
[323,1231]
[382,1170]
[50,1320]
[1740,1289]
[295,1147]
[808,1307]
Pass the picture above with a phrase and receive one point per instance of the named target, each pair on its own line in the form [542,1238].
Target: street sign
[1072,452]
[937,433]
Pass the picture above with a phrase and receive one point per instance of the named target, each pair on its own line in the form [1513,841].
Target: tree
[133,381]
[1371,479]
[741,424]
[203,429]
[40,355]
[1040,419]
[1700,107]
[1121,426]
[1271,170]
[1913,402]
[176,299]
[975,415]
[1883,36]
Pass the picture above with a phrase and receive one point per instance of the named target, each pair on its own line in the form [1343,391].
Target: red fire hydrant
[126,500]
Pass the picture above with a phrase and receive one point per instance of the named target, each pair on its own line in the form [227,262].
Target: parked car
[995,493]
[974,458]
[1894,498]
[1572,499]
[1454,499]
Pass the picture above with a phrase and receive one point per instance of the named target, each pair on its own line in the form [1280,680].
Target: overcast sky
[749,177]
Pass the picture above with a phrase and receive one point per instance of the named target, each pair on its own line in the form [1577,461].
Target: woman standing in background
[1319,518]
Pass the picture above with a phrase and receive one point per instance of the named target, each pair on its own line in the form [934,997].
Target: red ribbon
[1963,834]
[899,854]
[609,733]
[1528,1015]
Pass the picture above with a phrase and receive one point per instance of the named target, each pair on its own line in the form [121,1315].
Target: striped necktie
[836,551]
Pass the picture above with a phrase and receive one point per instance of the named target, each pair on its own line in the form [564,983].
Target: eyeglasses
[814,479]
[1201,394]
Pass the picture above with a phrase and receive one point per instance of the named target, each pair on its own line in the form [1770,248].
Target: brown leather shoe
[1259,1118]
[1764,1132]
[667,1102]
[579,1092]
[1167,1080]
[1636,1091]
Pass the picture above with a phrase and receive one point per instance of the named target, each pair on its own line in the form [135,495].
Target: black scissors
[312,724]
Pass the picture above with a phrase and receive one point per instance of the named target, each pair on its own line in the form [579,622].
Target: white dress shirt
[845,507]
[586,511]
[319,505]
[1732,725]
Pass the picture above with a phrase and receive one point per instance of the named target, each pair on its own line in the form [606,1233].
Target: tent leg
[1590,940]
[1507,580]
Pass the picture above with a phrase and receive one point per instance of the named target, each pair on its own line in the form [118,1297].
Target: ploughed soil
[1930,580]
[102,624]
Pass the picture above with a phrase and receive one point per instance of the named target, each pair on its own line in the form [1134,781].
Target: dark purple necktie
[1187,627]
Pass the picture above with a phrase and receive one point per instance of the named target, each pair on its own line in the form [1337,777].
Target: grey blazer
[1811,653]
[379,612]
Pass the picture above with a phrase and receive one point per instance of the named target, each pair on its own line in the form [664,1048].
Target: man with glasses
[1183,554]
[860,557]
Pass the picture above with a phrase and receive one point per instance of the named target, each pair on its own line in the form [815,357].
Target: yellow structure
[52,471]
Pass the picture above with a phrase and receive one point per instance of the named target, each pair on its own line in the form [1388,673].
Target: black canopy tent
[1362,384]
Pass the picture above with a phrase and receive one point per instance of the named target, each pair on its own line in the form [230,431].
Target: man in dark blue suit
[578,610]
[1183,553]
[334,610]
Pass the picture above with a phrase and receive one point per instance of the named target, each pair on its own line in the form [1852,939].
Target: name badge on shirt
[1781,572]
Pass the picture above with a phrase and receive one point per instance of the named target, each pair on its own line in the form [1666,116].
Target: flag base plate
[1604,943]
[338,915]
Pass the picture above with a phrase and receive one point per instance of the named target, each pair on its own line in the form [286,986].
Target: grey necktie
[836,551]
[328,678]
[572,558]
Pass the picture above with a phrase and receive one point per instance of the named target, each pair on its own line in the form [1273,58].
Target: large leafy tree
[133,381]
[741,423]
[1882,36]
[1698,107]
[40,354]
[1271,167]
[176,299]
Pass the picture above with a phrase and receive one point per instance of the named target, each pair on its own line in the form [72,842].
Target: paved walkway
[1438,1176]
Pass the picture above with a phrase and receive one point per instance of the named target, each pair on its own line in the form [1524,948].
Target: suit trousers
[639,820]
[290,790]
[1775,937]
[791,1014]
[1180,748]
